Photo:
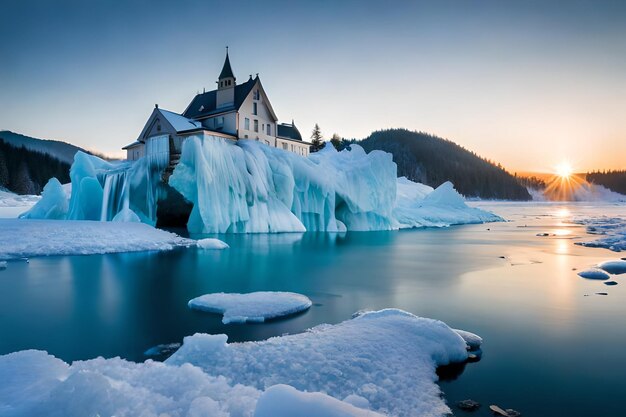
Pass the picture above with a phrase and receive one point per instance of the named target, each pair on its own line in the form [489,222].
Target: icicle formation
[248,188]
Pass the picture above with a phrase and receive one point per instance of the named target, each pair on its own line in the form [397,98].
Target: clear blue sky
[526,83]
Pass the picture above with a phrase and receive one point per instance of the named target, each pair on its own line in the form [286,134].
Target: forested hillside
[613,180]
[24,171]
[62,151]
[432,160]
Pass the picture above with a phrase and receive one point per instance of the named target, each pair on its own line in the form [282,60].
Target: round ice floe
[251,307]
[211,243]
[614,267]
[594,273]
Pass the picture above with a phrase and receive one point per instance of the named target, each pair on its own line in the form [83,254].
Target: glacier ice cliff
[248,187]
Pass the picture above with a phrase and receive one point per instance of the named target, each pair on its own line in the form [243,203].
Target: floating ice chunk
[614,267]
[3,265]
[594,273]
[210,243]
[25,238]
[251,307]
[473,340]
[52,205]
[388,357]
[285,401]
[613,230]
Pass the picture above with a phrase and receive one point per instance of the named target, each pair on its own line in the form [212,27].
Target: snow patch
[251,307]
[612,230]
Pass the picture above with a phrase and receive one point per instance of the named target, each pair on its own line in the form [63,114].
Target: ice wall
[248,187]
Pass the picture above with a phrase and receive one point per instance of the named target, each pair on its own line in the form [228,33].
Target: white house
[233,111]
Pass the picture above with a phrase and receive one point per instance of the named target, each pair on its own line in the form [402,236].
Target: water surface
[552,347]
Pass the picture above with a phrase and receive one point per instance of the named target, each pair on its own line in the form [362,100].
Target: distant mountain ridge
[62,151]
[431,160]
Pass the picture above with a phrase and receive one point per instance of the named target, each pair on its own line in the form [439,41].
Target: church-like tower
[226,85]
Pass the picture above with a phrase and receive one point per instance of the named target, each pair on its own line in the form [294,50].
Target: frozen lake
[552,346]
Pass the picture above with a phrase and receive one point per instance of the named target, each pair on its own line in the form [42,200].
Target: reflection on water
[548,349]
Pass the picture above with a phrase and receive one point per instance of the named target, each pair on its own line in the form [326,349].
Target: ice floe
[21,238]
[614,267]
[594,273]
[251,307]
[382,361]
[211,243]
[612,230]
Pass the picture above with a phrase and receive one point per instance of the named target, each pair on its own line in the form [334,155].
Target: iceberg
[381,362]
[594,273]
[248,187]
[614,267]
[251,307]
[25,238]
[53,204]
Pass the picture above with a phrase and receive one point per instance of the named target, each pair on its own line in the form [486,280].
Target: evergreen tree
[22,183]
[4,171]
[336,141]
[317,140]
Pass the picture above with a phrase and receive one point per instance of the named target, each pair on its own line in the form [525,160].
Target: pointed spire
[227,71]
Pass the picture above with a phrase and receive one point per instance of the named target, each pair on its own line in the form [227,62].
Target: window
[245,136]
[284,146]
[269,129]
[256,95]
[256,125]
[219,121]
[254,109]
[247,124]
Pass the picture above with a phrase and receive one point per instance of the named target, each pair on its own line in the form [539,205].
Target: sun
[564,169]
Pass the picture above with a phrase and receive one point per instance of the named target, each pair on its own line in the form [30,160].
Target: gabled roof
[204,104]
[289,131]
[178,122]
[227,71]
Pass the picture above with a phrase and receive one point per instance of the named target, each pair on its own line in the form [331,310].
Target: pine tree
[336,141]
[4,171]
[317,140]
[22,183]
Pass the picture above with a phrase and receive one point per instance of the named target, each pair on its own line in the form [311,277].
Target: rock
[468,405]
[498,411]
[602,293]
[543,234]
[513,413]
[610,283]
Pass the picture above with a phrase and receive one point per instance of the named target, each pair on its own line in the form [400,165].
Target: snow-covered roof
[132,145]
[178,122]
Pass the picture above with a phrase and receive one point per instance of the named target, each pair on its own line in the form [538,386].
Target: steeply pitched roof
[178,122]
[205,104]
[227,71]
[289,131]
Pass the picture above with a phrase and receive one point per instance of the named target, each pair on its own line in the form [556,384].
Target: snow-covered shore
[382,361]
[21,238]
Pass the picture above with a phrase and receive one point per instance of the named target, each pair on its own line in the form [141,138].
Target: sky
[527,83]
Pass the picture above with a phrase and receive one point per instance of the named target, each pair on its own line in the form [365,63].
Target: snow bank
[388,357]
[285,401]
[210,243]
[612,230]
[11,205]
[251,307]
[472,340]
[383,360]
[25,238]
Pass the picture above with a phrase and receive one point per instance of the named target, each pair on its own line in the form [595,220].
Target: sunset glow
[564,170]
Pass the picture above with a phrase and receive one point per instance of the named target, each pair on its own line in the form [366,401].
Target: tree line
[24,171]
[614,180]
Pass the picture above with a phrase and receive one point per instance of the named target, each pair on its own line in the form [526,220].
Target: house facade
[232,111]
